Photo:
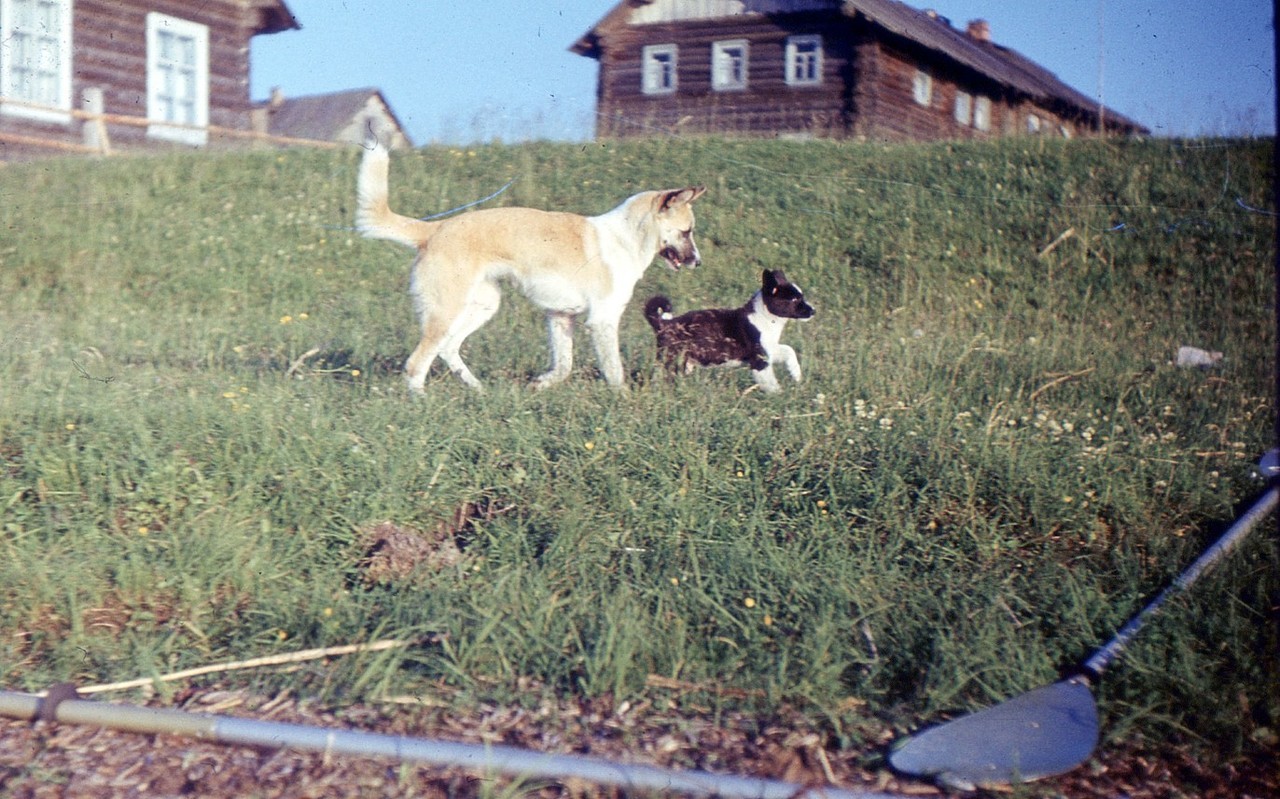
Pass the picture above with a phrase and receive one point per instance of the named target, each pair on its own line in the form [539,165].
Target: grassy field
[207,452]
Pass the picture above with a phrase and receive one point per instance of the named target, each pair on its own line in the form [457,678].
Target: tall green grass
[990,465]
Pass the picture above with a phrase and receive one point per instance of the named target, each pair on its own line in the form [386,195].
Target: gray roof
[321,116]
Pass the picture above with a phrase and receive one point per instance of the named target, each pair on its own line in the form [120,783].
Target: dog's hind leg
[423,355]
[482,303]
[560,338]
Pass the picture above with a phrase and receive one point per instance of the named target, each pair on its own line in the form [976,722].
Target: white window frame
[193,130]
[982,114]
[730,65]
[53,57]
[1035,124]
[922,87]
[804,60]
[964,108]
[660,69]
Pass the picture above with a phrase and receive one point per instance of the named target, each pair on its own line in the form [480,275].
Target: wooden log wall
[109,48]
[866,91]
[767,106]
[886,108]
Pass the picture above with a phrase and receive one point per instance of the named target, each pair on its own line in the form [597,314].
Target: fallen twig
[253,663]
[667,683]
[1053,245]
[1058,381]
[300,360]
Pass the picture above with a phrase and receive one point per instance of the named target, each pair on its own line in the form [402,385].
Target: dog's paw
[547,380]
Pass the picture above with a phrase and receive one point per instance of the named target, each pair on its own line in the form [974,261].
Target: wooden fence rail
[97,122]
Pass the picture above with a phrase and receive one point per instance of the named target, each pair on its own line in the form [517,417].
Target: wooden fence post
[94,128]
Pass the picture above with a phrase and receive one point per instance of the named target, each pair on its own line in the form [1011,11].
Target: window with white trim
[1034,124]
[804,60]
[982,113]
[35,58]
[659,69]
[729,65]
[964,108]
[177,79]
[922,88]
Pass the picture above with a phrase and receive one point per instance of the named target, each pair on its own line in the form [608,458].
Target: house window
[982,114]
[964,108]
[922,88]
[35,58]
[804,60]
[659,70]
[729,65]
[177,79]
[1033,124]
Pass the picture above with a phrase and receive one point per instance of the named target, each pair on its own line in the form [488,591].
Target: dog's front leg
[604,334]
[560,339]
[766,380]
[788,356]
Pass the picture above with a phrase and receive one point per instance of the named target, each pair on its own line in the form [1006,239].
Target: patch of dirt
[47,760]
[396,554]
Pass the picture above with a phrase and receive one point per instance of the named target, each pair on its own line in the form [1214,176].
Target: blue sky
[473,71]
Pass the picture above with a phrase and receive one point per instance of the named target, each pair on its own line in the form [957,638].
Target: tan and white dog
[565,263]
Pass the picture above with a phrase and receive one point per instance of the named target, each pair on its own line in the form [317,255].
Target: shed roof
[1000,64]
[322,116]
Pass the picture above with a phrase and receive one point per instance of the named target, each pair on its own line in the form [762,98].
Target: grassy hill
[206,449]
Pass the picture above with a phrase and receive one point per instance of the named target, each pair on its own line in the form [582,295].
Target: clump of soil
[398,554]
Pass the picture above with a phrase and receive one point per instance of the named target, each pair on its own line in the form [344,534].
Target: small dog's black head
[783,298]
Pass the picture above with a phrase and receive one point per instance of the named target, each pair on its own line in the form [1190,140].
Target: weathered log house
[156,72]
[872,69]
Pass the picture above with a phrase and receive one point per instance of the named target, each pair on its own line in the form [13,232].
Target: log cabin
[154,73]
[864,69]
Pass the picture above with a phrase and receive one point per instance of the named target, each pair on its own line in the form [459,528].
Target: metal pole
[507,760]
[1102,55]
[1275,208]
[1236,533]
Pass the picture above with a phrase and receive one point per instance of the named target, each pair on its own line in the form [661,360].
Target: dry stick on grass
[1053,245]
[300,360]
[1059,380]
[254,663]
[670,684]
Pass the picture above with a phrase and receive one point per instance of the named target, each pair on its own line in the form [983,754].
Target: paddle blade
[1038,734]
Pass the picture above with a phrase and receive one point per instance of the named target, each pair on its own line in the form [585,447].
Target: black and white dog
[747,336]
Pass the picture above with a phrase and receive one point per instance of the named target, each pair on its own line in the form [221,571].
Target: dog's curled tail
[656,310]
[374,217]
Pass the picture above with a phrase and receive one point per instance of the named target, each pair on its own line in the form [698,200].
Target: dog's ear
[678,197]
[773,279]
